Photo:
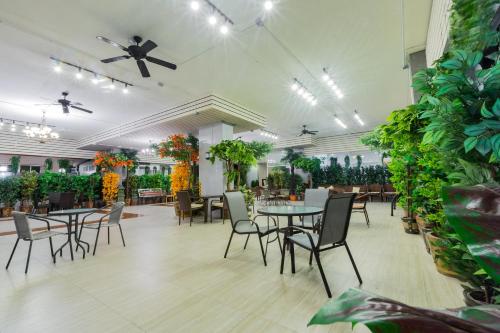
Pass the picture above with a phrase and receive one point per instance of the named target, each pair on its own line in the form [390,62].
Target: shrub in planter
[28,184]
[9,193]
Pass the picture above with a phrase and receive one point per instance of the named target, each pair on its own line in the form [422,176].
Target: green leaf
[428,137]
[483,146]
[474,58]
[485,113]
[495,143]
[452,64]
[460,54]
[381,314]
[496,108]
[470,143]
[475,130]
[428,114]
[433,100]
[447,89]
[491,124]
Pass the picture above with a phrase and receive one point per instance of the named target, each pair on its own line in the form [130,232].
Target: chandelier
[40,131]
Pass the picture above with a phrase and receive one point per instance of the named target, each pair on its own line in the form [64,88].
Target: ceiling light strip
[303,92]
[269,134]
[328,80]
[95,74]
[218,11]
[358,118]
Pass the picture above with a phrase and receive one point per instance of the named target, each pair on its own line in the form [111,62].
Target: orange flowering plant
[110,183]
[180,147]
[180,177]
[108,161]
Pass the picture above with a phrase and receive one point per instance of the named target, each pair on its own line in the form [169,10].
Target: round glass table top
[290,210]
[73,211]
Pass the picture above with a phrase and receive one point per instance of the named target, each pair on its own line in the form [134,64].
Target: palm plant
[290,157]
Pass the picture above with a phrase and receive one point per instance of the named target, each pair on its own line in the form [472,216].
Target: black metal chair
[113,216]
[25,232]
[241,224]
[332,234]
[217,205]
[186,206]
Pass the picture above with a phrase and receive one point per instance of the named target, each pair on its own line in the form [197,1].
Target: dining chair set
[323,226]
[26,232]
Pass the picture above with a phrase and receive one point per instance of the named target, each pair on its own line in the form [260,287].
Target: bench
[146,193]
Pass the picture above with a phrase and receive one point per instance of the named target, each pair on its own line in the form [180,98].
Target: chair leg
[323,277]
[52,250]
[278,238]
[96,239]
[28,259]
[353,264]
[121,233]
[267,243]
[283,254]
[180,218]
[246,242]
[12,253]
[366,217]
[229,243]
[262,250]
[108,235]
[292,257]
[311,258]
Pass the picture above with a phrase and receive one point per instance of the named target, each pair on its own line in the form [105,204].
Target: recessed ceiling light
[195,5]
[224,29]
[268,5]
[212,20]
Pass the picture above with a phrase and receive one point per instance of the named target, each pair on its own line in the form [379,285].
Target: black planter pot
[474,297]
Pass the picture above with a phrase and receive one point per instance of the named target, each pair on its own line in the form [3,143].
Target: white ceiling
[358,40]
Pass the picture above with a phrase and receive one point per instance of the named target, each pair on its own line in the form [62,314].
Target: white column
[212,175]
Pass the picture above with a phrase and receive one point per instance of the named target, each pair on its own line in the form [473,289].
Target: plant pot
[90,204]
[441,267]
[425,231]
[293,197]
[474,297]
[410,225]
[128,202]
[26,209]
[134,201]
[7,211]
[43,210]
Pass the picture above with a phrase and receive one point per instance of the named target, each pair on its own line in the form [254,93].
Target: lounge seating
[359,206]
[113,216]
[374,191]
[25,232]
[332,234]
[243,225]
[186,206]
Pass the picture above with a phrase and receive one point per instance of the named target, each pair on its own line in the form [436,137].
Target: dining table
[72,225]
[206,203]
[290,211]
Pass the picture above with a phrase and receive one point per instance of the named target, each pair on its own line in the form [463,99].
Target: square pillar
[212,175]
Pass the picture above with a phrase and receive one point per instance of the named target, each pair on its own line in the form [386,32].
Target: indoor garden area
[250,166]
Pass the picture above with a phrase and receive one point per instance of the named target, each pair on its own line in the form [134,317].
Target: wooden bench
[150,193]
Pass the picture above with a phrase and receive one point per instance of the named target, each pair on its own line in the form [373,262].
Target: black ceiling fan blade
[46,104]
[109,41]
[162,63]
[81,109]
[142,67]
[148,46]
[107,61]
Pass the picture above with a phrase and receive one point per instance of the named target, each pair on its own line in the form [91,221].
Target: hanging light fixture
[42,132]
[302,91]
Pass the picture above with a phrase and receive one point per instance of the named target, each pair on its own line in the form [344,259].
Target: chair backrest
[116,213]
[374,187]
[66,200]
[336,218]
[23,227]
[184,201]
[316,197]
[389,188]
[237,207]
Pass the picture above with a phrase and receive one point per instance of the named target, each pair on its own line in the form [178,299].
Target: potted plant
[299,190]
[14,164]
[28,184]
[290,157]
[9,194]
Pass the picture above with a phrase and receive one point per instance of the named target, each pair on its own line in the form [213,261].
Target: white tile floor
[174,278]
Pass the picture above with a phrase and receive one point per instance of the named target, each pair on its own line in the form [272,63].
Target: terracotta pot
[90,204]
[26,209]
[128,202]
[441,266]
[474,297]
[410,225]
[7,211]
[293,197]
[43,210]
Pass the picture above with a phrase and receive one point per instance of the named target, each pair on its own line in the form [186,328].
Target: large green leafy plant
[290,157]
[28,184]
[9,191]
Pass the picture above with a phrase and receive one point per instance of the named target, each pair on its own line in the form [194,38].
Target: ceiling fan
[138,53]
[66,104]
[305,131]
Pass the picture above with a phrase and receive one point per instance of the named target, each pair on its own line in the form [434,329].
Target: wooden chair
[186,206]
[359,206]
